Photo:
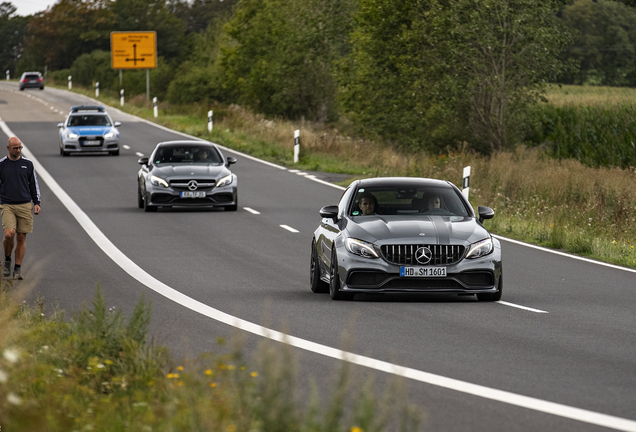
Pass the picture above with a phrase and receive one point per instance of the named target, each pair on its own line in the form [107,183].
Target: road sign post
[121,97]
[210,124]
[70,82]
[296,145]
[97,89]
[154,107]
[7,74]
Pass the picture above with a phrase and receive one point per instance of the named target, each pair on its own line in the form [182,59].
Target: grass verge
[98,371]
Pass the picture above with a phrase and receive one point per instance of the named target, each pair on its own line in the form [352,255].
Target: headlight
[480,249]
[359,247]
[224,181]
[72,135]
[109,135]
[158,181]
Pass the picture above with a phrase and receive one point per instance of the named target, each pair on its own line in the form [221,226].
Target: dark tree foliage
[12,32]
[197,15]
[604,44]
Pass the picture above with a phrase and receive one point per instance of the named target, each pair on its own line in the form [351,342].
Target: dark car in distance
[186,174]
[31,80]
[405,235]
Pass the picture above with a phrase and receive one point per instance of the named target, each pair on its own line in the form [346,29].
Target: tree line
[422,74]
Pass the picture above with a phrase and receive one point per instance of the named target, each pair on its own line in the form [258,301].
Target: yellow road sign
[133,50]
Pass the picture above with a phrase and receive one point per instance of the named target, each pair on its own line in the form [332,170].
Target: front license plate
[422,271]
[197,194]
[92,142]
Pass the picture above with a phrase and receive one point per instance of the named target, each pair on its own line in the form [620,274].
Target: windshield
[88,120]
[188,154]
[407,199]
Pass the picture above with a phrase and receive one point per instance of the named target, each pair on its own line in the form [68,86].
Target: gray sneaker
[6,270]
[17,274]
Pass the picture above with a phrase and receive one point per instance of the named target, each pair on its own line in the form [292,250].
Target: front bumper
[468,276]
[214,197]
[78,146]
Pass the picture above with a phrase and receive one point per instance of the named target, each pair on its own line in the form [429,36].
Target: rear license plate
[197,194]
[422,271]
[92,142]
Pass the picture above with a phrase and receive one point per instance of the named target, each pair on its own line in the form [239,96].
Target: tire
[149,208]
[494,296]
[232,207]
[316,284]
[140,198]
[334,282]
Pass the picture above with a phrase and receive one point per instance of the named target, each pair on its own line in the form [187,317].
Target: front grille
[201,183]
[405,254]
[422,283]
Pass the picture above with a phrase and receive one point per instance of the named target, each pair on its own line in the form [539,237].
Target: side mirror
[329,212]
[143,161]
[117,124]
[60,125]
[485,213]
[231,160]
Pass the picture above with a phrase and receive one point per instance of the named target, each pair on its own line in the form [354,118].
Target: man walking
[19,199]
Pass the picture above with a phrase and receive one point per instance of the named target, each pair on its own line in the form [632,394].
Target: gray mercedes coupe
[405,235]
[186,173]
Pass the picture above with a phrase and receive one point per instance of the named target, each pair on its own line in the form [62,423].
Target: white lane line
[127,147]
[251,210]
[288,228]
[521,307]
[552,251]
[146,279]
[139,154]
[294,171]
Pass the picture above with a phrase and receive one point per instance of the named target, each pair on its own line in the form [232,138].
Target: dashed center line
[127,147]
[251,210]
[139,154]
[288,228]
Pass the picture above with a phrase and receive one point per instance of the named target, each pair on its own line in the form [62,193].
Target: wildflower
[11,355]
[169,375]
[180,383]
[101,366]
[180,368]
[14,399]
[45,347]
[208,372]
[356,429]
[212,385]
[3,376]
[254,374]
[231,367]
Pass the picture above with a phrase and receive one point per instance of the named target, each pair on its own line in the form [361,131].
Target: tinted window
[188,154]
[409,199]
[88,120]
[32,76]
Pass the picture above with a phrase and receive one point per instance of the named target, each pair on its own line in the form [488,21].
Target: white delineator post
[70,82]
[210,123]
[154,107]
[97,89]
[121,97]
[7,74]
[296,145]
[466,182]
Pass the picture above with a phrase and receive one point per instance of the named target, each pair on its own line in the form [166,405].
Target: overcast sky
[29,7]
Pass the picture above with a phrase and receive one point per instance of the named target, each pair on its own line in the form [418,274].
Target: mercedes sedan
[405,235]
[188,174]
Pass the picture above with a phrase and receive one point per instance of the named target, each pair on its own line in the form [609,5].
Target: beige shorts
[18,217]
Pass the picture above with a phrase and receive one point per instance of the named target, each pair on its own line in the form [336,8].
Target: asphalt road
[559,353]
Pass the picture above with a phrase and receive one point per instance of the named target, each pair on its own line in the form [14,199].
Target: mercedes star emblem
[423,255]
[193,185]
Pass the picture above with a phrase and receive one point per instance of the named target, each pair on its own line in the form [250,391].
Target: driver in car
[368,204]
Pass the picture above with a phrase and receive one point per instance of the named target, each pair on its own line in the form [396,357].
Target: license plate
[422,271]
[92,142]
[196,194]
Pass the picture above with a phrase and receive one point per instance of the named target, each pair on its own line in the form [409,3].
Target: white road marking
[521,307]
[146,279]
[288,228]
[139,154]
[591,261]
[251,210]
[294,171]
[126,147]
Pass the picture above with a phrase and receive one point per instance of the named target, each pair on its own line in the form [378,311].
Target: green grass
[98,371]
[563,204]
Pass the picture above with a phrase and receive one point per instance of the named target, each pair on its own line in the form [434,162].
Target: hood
[90,130]
[417,229]
[189,171]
